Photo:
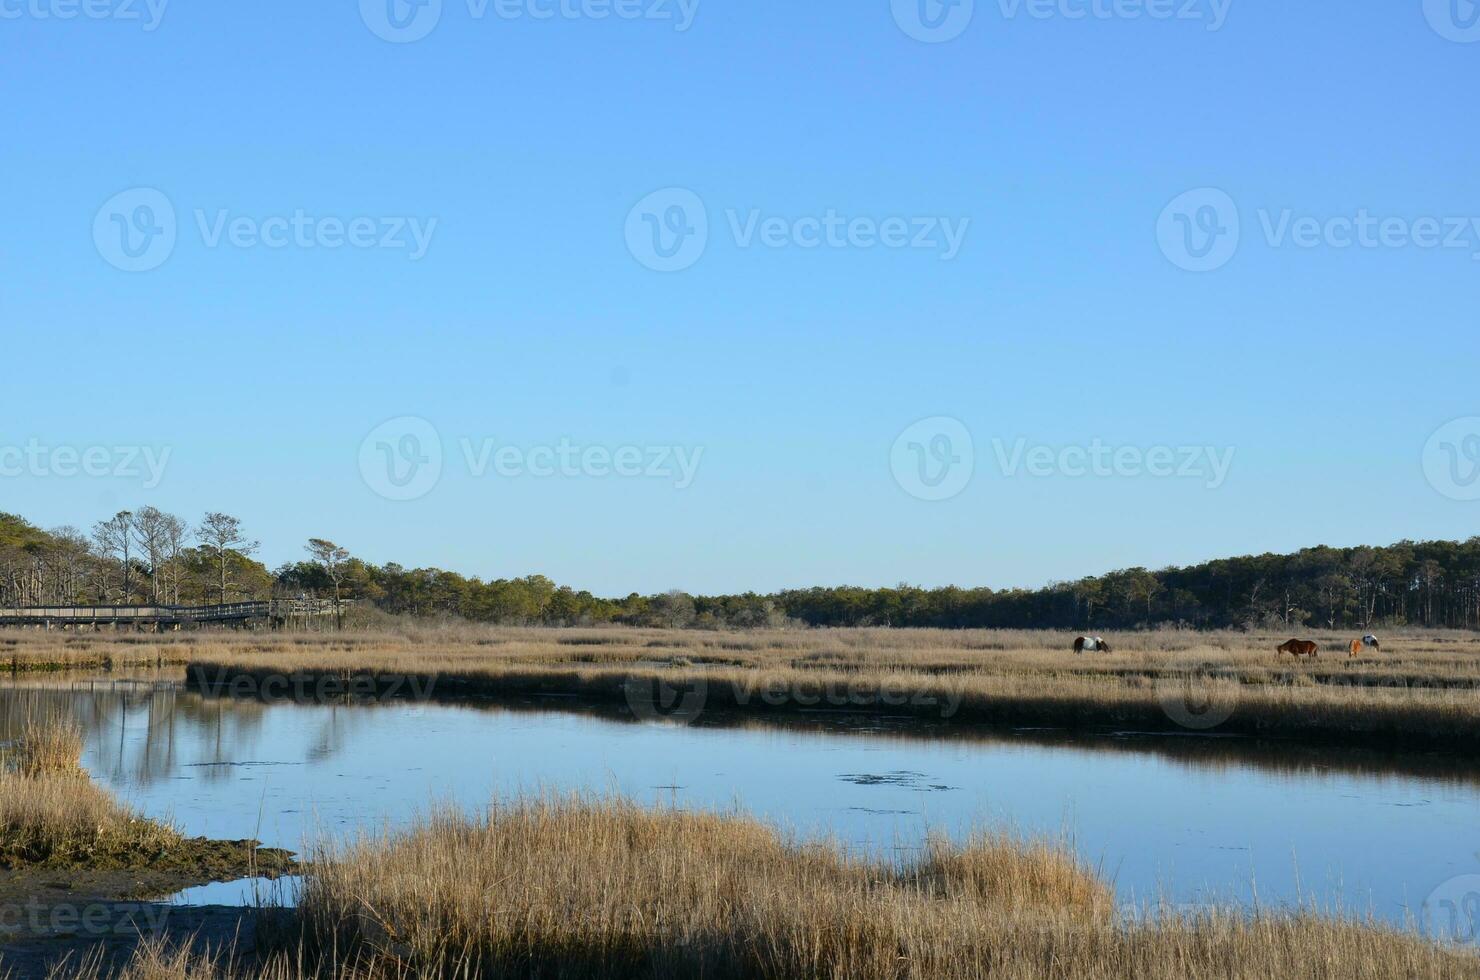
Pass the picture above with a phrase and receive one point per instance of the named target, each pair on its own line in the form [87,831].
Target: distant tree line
[146,555]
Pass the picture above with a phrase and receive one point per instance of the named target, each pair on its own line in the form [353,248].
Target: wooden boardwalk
[275,611]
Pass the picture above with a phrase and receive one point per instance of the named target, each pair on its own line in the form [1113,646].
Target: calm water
[1191,820]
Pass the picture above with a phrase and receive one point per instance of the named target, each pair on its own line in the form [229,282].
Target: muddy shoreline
[71,910]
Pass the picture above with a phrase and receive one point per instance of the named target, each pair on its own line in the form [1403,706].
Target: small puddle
[245,892]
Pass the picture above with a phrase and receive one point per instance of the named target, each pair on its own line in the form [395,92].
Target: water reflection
[1191,819]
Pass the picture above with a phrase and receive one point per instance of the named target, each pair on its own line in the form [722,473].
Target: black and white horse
[1094,644]
[1368,642]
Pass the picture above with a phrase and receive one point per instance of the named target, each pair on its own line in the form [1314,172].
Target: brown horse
[1367,642]
[1300,648]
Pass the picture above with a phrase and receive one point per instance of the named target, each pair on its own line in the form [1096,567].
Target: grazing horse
[1368,642]
[1094,644]
[1300,648]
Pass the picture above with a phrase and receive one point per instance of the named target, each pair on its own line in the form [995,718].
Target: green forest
[148,556]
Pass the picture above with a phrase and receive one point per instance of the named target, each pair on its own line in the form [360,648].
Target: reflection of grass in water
[584,888]
[229,729]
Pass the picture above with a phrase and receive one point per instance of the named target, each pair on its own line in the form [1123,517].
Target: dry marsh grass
[584,888]
[52,814]
[1422,690]
[611,889]
[45,748]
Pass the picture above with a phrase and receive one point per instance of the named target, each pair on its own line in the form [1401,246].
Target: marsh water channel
[1187,820]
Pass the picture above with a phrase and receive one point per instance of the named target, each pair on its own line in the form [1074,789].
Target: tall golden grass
[52,814]
[591,888]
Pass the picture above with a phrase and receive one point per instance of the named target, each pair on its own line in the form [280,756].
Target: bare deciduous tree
[176,533]
[149,535]
[221,534]
[70,561]
[114,540]
[331,558]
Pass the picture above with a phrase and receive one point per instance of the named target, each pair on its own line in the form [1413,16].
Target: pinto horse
[1300,648]
[1367,642]
[1094,644]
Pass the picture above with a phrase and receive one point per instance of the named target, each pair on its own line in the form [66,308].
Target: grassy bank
[581,888]
[1421,692]
[28,650]
[52,816]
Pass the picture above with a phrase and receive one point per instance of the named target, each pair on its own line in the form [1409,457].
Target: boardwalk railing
[229,612]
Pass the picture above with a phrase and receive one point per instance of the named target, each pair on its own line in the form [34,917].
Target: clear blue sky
[1060,321]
